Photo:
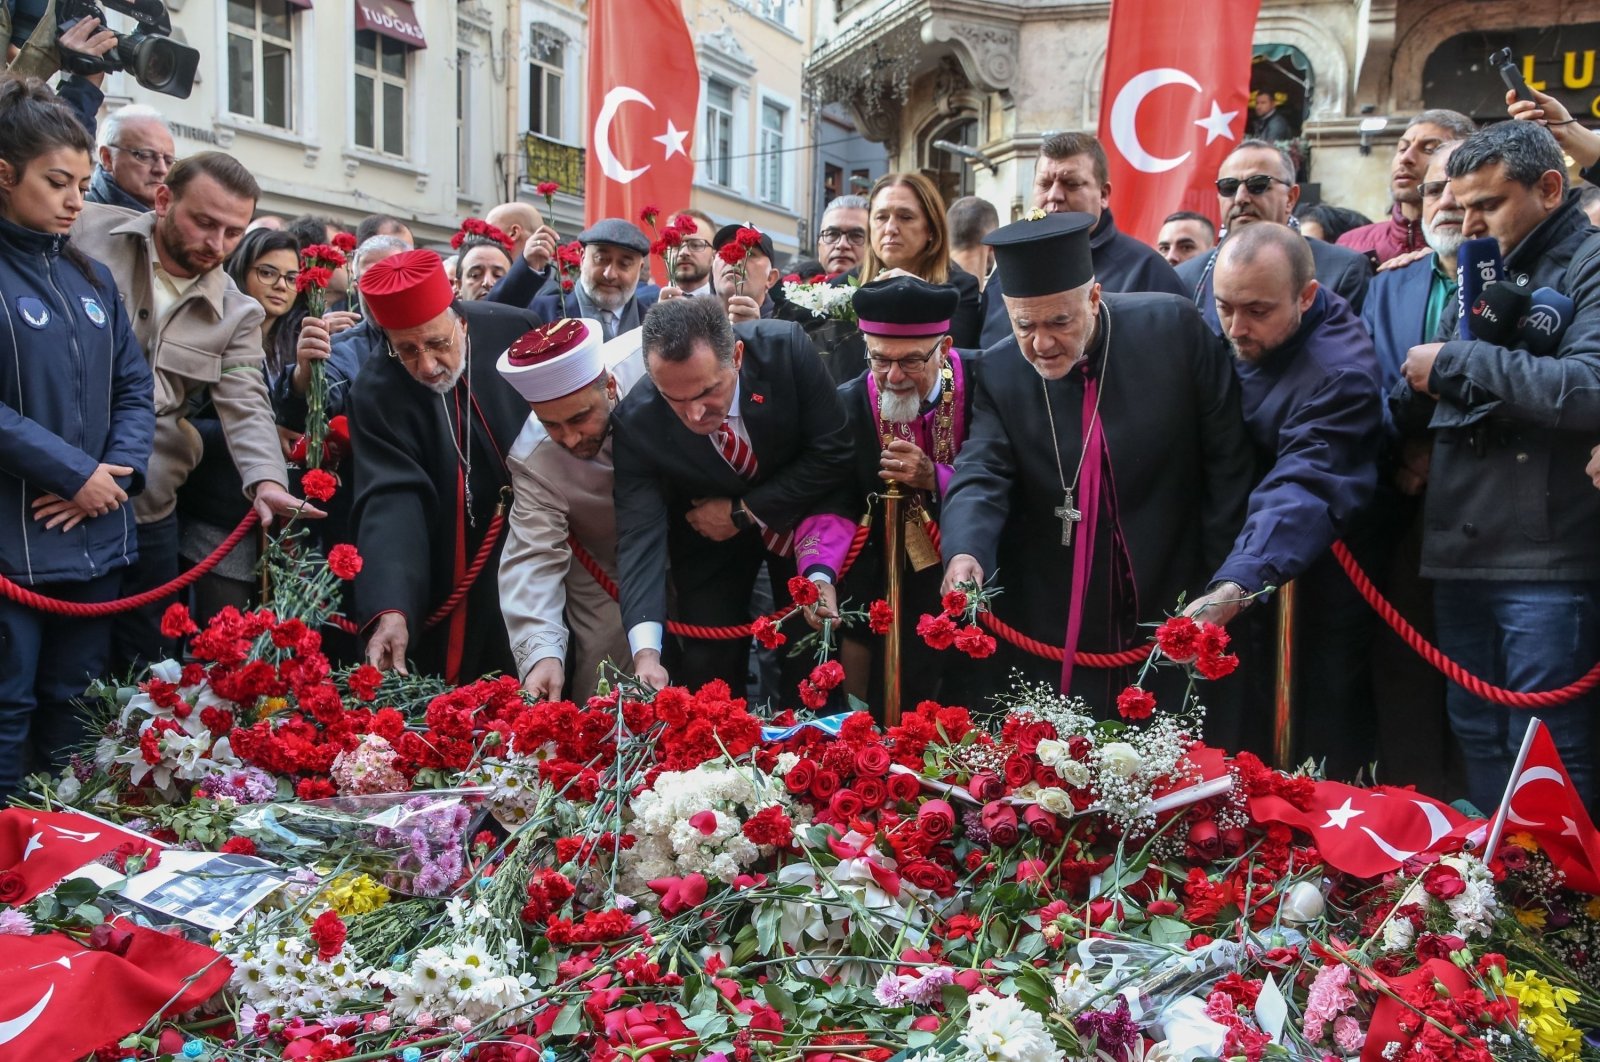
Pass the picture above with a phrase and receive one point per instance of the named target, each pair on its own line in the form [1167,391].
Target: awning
[304,5]
[395,19]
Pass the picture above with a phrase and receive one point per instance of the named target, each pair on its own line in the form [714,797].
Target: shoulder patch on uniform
[93,311]
[35,314]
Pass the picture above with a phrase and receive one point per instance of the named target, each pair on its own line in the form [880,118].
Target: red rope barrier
[469,579]
[90,610]
[1447,667]
[1003,630]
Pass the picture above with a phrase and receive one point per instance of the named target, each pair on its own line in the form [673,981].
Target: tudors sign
[1559,60]
[395,19]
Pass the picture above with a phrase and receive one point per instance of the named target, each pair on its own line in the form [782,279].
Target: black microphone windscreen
[1496,313]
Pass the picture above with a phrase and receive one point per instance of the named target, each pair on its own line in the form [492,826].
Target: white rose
[1074,773]
[1051,752]
[1055,801]
[1121,759]
[1303,904]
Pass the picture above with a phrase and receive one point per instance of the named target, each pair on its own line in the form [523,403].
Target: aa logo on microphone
[1544,319]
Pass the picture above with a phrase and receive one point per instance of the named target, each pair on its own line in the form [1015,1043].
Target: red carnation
[649,214]
[879,616]
[344,561]
[770,826]
[686,224]
[329,933]
[747,238]
[344,241]
[813,697]
[733,253]
[314,789]
[318,484]
[547,188]
[364,682]
[803,591]
[976,644]
[767,633]
[1136,703]
[827,676]
[239,846]
[671,238]
[938,631]
[176,621]
[954,603]
[1179,639]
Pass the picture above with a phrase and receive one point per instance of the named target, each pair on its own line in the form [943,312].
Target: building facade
[993,76]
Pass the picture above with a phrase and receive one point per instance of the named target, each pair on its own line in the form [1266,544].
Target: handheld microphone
[1478,264]
[1495,315]
[1545,321]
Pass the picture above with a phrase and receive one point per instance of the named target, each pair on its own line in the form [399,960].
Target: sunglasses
[1228,187]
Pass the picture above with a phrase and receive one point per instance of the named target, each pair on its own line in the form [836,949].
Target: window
[719,132]
[463,90]
[261,60]
[771,160]
[776,10]
[381,64]
[545,75]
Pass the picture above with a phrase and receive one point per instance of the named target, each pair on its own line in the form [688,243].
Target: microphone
[1478,264]
[1496,313]
[1545,321]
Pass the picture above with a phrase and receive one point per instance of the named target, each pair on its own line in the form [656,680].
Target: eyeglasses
[854,237]
[696,246]
[1432,189]
[1227,187]
[435,347]
[909,364]
[272,277]
[145,156]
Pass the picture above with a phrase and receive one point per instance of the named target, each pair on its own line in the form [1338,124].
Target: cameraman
[29,29]
[1511,525]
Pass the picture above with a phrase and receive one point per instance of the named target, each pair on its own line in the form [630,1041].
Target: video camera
[156,61]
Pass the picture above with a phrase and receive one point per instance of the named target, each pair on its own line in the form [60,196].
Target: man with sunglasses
[135,155]
[1256,183]
[1401,232]
[431,425]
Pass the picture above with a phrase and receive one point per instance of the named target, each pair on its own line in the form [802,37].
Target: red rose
[825,784]
[872,760]
[1019,772]
[1000,820]
[954,603]
[879,616]
[803,591]
[344,561]
[800,776]
[1443,882]
[975,643]
[239,846]
[938,631]
[1205,841]
[13,887]
[1161,908]
[872,792]
[1135,702]
[1043,823]
[318,484]
[903,788]
[107,937]
[936,819]
[827,675]
[176,621]
[845,805]
[926,874]
[986,786]
[328,932]
[1179,639]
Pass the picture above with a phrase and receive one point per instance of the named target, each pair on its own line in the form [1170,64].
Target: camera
[156,61]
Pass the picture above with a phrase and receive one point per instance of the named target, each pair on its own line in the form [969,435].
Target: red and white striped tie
[741,457]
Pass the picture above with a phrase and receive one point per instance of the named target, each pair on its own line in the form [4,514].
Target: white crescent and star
[1125,114]
[15,1027]
[1438,826]
[1532,774]
[671,141]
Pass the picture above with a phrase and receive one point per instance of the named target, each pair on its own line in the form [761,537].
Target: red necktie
[741,457]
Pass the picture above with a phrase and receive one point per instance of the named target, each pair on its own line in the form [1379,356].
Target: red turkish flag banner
[60,1000]
[1173,104]
[43,847]
[1544,804]
[1367,832]
[644,89]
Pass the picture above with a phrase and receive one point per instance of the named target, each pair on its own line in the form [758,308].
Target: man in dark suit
[736,436]
[1256,183]
[1072,175]
[608,289]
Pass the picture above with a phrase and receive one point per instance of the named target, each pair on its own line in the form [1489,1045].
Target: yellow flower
[1541,1010]
[1530,918]
[354,894]
[1592,909]
[1523,841]
[272,706]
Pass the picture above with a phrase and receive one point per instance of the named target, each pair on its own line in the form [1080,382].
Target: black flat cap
[1043,256]
[727,233]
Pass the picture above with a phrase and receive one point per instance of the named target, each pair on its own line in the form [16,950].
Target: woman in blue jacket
[76,422]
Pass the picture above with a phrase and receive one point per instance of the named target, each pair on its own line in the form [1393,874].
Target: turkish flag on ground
[644,88]
[60,1000]
[1367,832]
[1543,803]
[1388,1012]
[1173,104]
[43,846]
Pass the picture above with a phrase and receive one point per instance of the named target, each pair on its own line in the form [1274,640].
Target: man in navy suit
[608,288]
[736,436]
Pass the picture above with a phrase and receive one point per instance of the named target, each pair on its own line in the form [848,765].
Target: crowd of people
[1087,431]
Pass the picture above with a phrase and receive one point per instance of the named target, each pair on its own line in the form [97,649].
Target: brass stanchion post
[1283,691]
[893,547]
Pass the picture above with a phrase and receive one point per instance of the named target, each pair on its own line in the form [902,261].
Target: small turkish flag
[60,1000]
[644,87]
[1172,105]
[1389,1011]
[43,847]
[1366,832]
[1543,803]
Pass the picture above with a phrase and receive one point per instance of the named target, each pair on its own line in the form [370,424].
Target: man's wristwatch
[740,515]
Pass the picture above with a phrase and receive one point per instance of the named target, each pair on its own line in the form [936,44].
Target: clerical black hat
[905,306]
[728,233]
[1043,256]
[618,231]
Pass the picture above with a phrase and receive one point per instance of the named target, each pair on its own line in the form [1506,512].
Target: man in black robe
[430,425]
[1137,378]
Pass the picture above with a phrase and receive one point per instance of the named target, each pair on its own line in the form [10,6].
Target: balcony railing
[551,160]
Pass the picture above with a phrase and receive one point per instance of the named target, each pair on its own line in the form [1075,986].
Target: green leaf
[1165,930]
[779,1000]
[856,704]
[920,1038]
[568,1022]
[767,923]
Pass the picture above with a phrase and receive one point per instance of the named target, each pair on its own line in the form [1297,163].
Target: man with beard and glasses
[1308,381]
[1401,232]
[561,481]
[200,334]
[907,418]
[608,290]
[430,427]
[1256,184]
[691,273]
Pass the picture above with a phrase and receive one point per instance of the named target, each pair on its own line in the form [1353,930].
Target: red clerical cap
[542,344]
[406,290]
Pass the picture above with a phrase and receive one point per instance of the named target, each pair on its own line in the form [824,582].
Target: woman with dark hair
[1325,222]
[265,266]
[77,419]
[906,231]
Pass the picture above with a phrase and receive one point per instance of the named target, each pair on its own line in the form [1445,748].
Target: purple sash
[1083,537]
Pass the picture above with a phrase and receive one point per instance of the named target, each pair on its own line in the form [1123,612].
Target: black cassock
[1178,470]
[416,541]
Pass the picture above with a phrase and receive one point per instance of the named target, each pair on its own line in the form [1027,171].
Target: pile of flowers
[475,877]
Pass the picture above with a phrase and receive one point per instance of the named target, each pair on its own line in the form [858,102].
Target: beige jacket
[210,339]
